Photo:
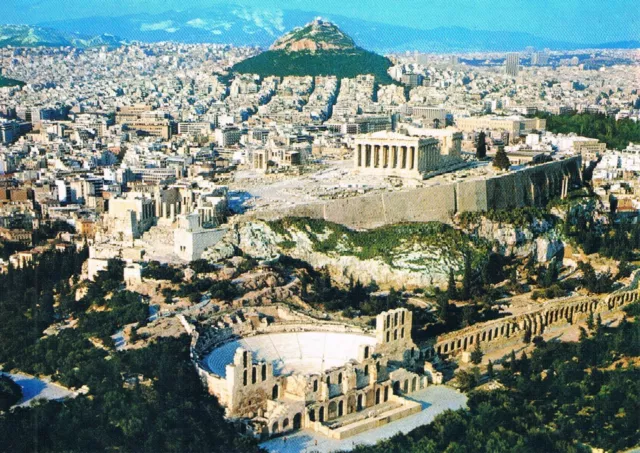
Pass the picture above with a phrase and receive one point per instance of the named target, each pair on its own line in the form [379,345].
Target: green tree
[490,372]
[476,354]
[466,278]
[481,146]
[452,292]
[443,308]
[501,160]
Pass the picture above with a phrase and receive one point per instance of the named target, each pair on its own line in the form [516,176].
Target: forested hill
[341,63]
[6,82]
[318,49]
[616,134]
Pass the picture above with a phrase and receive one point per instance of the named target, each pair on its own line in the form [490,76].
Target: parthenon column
[394,158]
[404,157]
[412,154]
[385,156]
[359,156]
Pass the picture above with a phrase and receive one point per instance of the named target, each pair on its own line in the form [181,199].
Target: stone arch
[405,386]
[285,424]
[413,383]
[274,428]
[351,404]
[264,372]
[366,370]
[386,393]
[274,392]
[254,375]
[377,396]
[244,377]
[333,410]
[339,378]
[297,421]
[369,398]
[321,414]
[366,352]
[312,415]
[396,388]
[340,408]
[359,405]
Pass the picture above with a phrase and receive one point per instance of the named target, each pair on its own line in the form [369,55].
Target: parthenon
[393,154]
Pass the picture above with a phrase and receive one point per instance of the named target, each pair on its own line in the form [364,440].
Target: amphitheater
[334,379]
[293,352]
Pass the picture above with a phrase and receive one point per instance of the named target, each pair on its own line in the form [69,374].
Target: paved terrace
[434,399]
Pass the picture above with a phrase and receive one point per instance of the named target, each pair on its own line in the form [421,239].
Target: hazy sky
[584,21]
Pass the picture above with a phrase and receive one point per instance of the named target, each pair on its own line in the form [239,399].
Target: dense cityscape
[316,248]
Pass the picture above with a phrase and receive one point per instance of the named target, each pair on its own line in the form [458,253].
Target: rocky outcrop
[317,35]
[538,239]
[418,267]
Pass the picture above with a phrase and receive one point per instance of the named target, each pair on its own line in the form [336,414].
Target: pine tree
[501,160]
[481,147]
[443,308]
[466,279]
[490,373]
[527,336]
[513,361]
[452,293]
[590,322]
[476,354]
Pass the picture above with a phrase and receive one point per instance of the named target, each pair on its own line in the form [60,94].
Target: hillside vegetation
[616,134]
[339,63]
[6,82]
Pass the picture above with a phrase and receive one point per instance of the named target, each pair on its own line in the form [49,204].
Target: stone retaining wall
[532,186]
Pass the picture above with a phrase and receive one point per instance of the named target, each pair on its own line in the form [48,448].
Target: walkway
[38,389]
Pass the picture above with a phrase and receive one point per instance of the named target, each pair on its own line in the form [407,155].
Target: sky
[580,21]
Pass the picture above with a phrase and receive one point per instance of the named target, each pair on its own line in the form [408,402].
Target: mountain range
[33,36]
[239,25]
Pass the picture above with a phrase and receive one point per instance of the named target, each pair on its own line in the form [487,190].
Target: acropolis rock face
[418,266]
[538,239]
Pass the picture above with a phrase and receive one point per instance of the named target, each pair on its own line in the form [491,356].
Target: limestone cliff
[536,236]
[419,259]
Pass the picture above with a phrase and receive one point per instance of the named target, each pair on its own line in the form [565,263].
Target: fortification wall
[532,186]
[558,312]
